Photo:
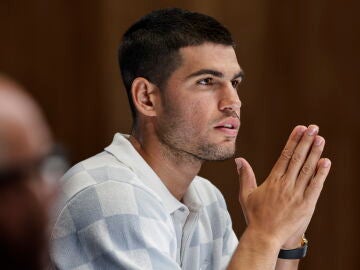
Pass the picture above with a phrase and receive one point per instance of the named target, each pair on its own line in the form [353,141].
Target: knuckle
[307,169]
[286,154]
[296,158]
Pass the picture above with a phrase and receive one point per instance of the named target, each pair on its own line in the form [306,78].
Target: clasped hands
[280,209]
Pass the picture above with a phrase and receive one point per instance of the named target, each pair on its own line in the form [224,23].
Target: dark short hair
[150,47]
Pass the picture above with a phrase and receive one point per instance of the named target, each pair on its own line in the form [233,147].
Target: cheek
[198,115]
[194,112]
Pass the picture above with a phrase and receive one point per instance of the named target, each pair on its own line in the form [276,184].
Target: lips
[229,126]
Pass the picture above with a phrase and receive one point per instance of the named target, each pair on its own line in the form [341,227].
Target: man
[26,176]
[140,204]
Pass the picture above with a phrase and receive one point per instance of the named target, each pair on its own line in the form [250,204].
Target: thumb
[246,178]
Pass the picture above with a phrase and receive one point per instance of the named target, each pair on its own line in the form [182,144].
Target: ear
[145,96]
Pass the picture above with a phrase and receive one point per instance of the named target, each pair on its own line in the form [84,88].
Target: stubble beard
[181,141]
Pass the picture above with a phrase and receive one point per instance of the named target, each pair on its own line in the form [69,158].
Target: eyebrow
[215,73]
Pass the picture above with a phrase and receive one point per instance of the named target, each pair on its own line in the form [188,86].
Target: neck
[175,169]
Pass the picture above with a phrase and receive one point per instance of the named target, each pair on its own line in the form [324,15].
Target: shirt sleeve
[114,225]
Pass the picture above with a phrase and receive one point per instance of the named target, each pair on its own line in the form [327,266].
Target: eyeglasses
[49,167]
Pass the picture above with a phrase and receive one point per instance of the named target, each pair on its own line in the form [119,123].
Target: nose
[230,101]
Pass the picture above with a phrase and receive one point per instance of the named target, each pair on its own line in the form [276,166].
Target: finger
[308,170]
[246,178]
[302,149]
[316,184]
[282,163]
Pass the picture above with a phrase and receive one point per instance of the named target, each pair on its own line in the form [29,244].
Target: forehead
[209,56]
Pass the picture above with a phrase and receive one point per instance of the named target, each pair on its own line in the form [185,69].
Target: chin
[216,153]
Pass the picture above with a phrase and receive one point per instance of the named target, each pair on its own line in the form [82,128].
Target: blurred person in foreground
[28,168]
[140,204]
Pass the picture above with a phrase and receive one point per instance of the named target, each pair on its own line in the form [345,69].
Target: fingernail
[238,163]
[326,163]
[300,132]
[318,141]
[312,130]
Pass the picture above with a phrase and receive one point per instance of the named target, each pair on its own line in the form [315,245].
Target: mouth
[229,127]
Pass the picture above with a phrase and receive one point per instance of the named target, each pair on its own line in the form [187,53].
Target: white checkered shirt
[116,213]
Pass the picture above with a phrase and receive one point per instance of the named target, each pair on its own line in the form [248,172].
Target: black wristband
[293,254]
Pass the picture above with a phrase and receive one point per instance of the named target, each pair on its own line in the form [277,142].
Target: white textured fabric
[117,214]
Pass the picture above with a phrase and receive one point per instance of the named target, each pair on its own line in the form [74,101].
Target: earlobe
[144,96]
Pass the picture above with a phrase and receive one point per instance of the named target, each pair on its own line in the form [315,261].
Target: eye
[235,83]
[206,81]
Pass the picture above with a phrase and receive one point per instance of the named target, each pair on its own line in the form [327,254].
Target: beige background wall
[301,60]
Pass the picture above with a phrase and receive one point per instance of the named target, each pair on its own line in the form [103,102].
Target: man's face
[200,103]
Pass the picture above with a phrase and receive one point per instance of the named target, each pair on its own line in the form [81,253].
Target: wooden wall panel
[301,62]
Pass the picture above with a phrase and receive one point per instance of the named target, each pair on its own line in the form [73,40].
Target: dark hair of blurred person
[25,190]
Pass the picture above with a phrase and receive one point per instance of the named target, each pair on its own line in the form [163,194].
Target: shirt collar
[124,151]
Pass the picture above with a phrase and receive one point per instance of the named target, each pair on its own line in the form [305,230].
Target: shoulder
[102,187]
[106,208]
[94,172]
[111,216]
[109,200]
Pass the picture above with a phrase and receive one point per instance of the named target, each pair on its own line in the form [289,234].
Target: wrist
[295,253]
[262,240]
[293,242]
[256,250]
